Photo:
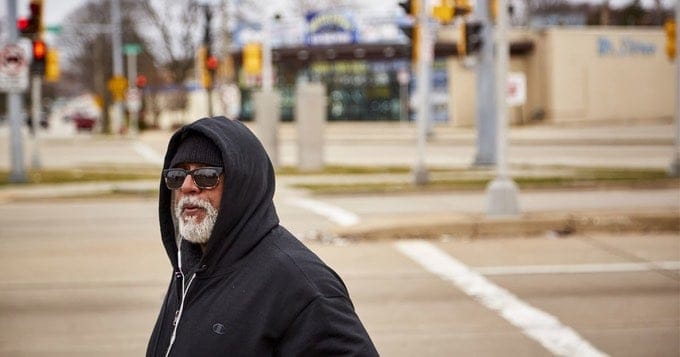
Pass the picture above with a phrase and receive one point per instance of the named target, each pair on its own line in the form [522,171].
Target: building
[581,74]
[573,74]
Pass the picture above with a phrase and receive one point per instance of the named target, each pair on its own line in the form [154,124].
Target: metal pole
[486,94]
[502,191]
[17,173]
[116,39]
[132,74]
[36,100]
[420,173]
[268,101]
[674,169]
[403,100]
[207,40]
[267,80]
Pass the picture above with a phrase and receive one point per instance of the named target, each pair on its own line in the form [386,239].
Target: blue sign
[330,28]
[626,47]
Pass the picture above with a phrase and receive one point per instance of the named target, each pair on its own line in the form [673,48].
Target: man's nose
[188,186]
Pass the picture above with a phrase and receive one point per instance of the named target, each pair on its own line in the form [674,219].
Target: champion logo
[219,329]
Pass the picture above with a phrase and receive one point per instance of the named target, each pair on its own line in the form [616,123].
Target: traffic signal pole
[17,173]
[502,192]
[486,95]
[425,54]
[36,111]
[674,169]
[132,74]
[116,39]
[207,40]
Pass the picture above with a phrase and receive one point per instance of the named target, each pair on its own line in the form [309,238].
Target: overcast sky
[56,10]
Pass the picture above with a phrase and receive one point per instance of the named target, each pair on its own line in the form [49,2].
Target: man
[242,285]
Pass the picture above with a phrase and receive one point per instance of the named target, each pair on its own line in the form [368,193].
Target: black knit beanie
[197,148]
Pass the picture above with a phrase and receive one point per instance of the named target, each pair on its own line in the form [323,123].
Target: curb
[555,224]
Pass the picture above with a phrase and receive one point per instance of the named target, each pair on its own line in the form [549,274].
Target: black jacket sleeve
[327,327]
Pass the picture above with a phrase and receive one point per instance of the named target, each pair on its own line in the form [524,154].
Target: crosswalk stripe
[546,329]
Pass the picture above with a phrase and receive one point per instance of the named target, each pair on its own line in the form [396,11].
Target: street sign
[117,86]
[517,89]
[133,99]
[13,69]
[132,49]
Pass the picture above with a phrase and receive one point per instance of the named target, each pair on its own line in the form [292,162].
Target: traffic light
[408,6]
[31,25]
[52,65]
[448,9]
[470,41]
[212,63]
[443,12]
[493,9]
[252,58]
[39,54]
[671,34]
[140,81]
[202,61]
[411,8]
[462,7]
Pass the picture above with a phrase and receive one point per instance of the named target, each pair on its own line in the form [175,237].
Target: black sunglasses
[204,177]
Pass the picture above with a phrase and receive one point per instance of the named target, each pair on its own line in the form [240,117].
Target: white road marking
[546,329]
[335,214]
[148,153]
[578,268]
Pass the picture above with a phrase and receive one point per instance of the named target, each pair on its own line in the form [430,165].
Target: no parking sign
[13,69]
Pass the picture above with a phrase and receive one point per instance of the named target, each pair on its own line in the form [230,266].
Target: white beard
[189,229]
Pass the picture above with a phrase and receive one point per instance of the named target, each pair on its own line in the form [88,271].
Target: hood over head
[246,213]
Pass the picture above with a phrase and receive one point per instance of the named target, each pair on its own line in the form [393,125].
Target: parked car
[83,122]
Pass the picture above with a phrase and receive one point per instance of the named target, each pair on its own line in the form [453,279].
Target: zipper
[184,288]
[178,313]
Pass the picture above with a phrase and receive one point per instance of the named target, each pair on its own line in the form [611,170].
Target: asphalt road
[86,277]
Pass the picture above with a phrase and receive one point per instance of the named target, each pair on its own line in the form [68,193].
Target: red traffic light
[212,63]
[39,50]
[140,81]
[23,23]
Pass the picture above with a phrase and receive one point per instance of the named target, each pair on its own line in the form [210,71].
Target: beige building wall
[581,74]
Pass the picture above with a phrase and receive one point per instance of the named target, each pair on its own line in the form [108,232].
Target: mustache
[193,201]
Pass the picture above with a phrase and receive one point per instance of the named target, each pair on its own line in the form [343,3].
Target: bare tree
[85,47]
[173,31]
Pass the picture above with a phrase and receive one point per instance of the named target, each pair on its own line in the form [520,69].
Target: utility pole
[17,173]
[486,94]
[674,169]
[133,94]
[116,39]
[502,191]
[424,81]
[206,44]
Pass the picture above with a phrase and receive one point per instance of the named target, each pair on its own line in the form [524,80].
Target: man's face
[195,208]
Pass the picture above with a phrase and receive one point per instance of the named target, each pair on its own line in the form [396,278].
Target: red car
[83,122]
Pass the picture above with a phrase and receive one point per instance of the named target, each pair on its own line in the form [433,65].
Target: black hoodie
[257,291]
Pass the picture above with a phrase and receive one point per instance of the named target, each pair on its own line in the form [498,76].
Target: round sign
[12,60]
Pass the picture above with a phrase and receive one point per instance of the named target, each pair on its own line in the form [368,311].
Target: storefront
[364,81]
